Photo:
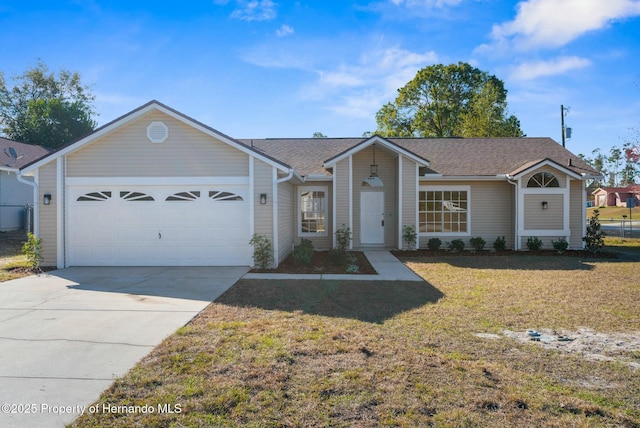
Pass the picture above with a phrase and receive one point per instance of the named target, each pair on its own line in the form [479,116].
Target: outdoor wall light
[545,205]
[263,198]
[46,199]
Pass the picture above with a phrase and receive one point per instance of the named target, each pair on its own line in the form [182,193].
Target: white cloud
[363,87]
[560,65]
[285,30]
[554,23]
[429,4]
[252,10]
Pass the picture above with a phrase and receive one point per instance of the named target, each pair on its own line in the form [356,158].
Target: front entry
[372,218]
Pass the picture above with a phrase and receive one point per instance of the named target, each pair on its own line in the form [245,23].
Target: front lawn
[447,352]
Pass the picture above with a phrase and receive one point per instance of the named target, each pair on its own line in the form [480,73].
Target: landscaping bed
[321,263]
[568,253]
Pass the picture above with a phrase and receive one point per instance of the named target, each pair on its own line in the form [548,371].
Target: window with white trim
[312,212]
[543,179]
[444,211]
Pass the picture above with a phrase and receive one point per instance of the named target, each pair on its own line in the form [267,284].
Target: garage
[157,225]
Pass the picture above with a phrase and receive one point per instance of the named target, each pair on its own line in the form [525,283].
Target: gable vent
[157,132]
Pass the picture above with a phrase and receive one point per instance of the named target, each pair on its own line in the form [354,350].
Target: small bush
[500,244]
[560,245]
[262,256]
[32,250]
[409,236]
[456,245]
[594,240]
[337,257]
[343,238]
[534,243]
[477,243]
[434,244]
[303,252]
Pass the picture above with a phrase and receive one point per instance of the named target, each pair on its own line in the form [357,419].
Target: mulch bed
[568,253]
[320,263]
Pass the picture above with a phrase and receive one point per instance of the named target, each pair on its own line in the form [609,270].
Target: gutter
[517,238]
[34,184]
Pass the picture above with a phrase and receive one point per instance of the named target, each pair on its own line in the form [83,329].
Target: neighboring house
[155,187]
[616,196]
[14,195]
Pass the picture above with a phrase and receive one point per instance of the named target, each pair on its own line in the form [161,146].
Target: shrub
[409,236]
[534,243]
[456,245]
[560,245]
[262,256]
[343,238]
[303,252]
[337,257]
[434,244]
[500,244]
[32,250]
[595,236]
[477,243]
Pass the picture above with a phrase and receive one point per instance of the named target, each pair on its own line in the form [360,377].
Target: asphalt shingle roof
[29,153]
[447,156]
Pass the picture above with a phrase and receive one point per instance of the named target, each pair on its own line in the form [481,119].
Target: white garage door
[158,226]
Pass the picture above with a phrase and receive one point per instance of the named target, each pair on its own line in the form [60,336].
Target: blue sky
[275,68]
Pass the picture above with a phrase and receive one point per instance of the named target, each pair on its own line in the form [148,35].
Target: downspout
[275,216]
[517,238]
[36,195]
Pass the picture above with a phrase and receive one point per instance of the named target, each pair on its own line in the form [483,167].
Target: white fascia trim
[440,177]
[36,203]
[60,213]
[160,181]
[252,217]
[400,218]
[376,140]
[318,177]
[553,165]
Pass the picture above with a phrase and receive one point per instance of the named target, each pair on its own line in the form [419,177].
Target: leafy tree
[45,109]
[445,101]
[319,134]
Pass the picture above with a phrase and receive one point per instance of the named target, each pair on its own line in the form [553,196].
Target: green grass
[343,354]
[615,213]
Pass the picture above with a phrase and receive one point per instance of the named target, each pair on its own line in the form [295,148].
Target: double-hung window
[312,213]
[444,210]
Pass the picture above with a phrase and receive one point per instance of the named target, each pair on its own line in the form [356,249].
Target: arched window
[543,179]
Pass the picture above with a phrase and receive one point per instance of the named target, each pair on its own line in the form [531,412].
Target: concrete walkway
[388,267]
[67,334]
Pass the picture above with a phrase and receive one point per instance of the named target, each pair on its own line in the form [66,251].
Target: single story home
[156,187]
[15,195]
[616,196]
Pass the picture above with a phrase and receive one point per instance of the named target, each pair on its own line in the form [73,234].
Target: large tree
[45,109]
[446,101]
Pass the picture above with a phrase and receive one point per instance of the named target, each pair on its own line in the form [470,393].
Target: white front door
[372,218]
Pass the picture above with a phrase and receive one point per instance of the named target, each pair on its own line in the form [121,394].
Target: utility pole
[562,123]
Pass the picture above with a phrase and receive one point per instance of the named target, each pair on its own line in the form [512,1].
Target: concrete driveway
[66,335]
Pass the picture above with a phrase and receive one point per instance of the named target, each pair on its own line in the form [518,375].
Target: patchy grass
[343,354]
[615,213]
[13,264]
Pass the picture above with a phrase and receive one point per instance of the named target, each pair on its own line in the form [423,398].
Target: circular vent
[157,132]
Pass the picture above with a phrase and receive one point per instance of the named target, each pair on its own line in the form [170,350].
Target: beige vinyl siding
[535,218]
[409,196]
[559,175]
[491,207]
[319,242]
[341,186]
[127,152]
[577,209]
[48,213]
[263,214]
[286,221]
[387,171]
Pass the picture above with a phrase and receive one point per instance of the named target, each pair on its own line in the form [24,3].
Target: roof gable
[141,111]
[26,153]
[536,164]
[376,139]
